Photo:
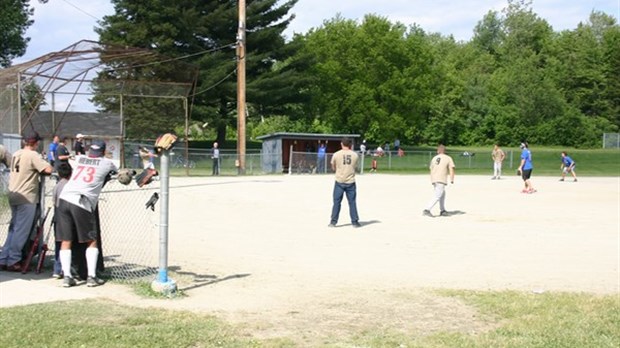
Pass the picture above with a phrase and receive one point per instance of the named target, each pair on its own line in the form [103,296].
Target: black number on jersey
[437,160]
[346,160]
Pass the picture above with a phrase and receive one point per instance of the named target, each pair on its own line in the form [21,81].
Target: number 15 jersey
[89,175]
[345,162]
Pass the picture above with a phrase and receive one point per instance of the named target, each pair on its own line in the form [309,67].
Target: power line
[79,9]
[216,84]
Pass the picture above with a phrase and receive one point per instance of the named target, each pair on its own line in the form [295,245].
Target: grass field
[512,319]
[590,162]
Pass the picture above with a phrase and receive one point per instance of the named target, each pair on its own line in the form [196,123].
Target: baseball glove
[165,142]
[125,176]
[146,177]
[519,172]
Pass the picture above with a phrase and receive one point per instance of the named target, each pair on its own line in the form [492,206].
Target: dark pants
[216,166]
[351,191]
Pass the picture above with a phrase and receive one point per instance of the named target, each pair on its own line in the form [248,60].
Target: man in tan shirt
[344,163]
[441,167]
[498,156]
[26,167]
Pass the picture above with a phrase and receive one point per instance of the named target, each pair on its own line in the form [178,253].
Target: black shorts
[526,174]
[72,221]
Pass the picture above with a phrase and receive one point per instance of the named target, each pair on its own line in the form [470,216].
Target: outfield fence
[309,163]
[611,141]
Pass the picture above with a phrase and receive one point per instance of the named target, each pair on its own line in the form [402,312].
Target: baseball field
[257,252]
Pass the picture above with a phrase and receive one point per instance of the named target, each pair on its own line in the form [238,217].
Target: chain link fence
[310,163]
[611,141]
[129,230]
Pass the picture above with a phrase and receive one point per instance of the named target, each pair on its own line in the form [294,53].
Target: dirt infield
[257,250]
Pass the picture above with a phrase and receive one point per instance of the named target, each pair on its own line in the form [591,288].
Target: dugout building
[279,148]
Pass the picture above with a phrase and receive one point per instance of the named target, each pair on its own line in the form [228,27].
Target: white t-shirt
[84,187]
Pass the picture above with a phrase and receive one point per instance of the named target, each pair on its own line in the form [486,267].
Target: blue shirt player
[567,166]
[320,158]
[526,167]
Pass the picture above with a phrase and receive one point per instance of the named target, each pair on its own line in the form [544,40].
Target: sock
[91,261]
[65,262]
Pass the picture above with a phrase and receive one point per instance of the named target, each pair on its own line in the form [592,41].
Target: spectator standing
[396,145]
[26,167]
[441,167]
[215,156]
[51,154]
[77,210]
[498,157]
[320,158]
[526,167]
[567,166]
[78,147]
[363,148]
[344,164]
[62,153]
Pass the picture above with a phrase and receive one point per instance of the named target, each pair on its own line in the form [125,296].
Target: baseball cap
[97,148]
[79,135]
[32,137]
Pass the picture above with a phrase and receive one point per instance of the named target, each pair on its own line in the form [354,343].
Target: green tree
[14,21]
[204,32]
[370,78]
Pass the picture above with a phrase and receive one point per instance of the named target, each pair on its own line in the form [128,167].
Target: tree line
[515,79]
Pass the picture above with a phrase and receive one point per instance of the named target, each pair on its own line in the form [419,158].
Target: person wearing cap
[26,168]
[526,167]
[77,210]
[78,147]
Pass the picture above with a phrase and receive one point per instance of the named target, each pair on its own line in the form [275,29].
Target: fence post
[290,161]
[362,166]
[163,284]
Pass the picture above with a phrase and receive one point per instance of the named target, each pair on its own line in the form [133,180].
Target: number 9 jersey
[89,176]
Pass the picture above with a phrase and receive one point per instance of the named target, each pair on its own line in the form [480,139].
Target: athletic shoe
[94,281]
[532,191]
[68,282]
[444,213]
[426,212]
[525,191]
[575,180]
[493,178]
[331,225]
[562,179]
[356,224]
[57,276]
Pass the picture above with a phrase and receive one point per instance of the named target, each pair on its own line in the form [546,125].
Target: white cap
[79,135]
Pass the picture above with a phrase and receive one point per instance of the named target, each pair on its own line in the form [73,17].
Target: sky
[60,23]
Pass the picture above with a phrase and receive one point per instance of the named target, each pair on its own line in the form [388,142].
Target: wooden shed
[278,147]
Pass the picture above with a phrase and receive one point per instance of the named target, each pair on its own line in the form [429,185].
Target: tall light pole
[241,87]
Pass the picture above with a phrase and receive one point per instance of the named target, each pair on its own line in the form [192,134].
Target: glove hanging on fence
[146,177]
[125,175]
[165,142]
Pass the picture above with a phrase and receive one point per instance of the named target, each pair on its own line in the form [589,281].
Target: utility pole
[241,88]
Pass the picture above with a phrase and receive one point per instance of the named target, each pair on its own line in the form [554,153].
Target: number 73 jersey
[89,175]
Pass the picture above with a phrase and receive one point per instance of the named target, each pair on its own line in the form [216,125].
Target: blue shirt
[51,154]
[321,153]
[567,161]
[527,156]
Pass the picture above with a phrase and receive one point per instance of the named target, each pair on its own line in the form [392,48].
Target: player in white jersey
[76,209]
